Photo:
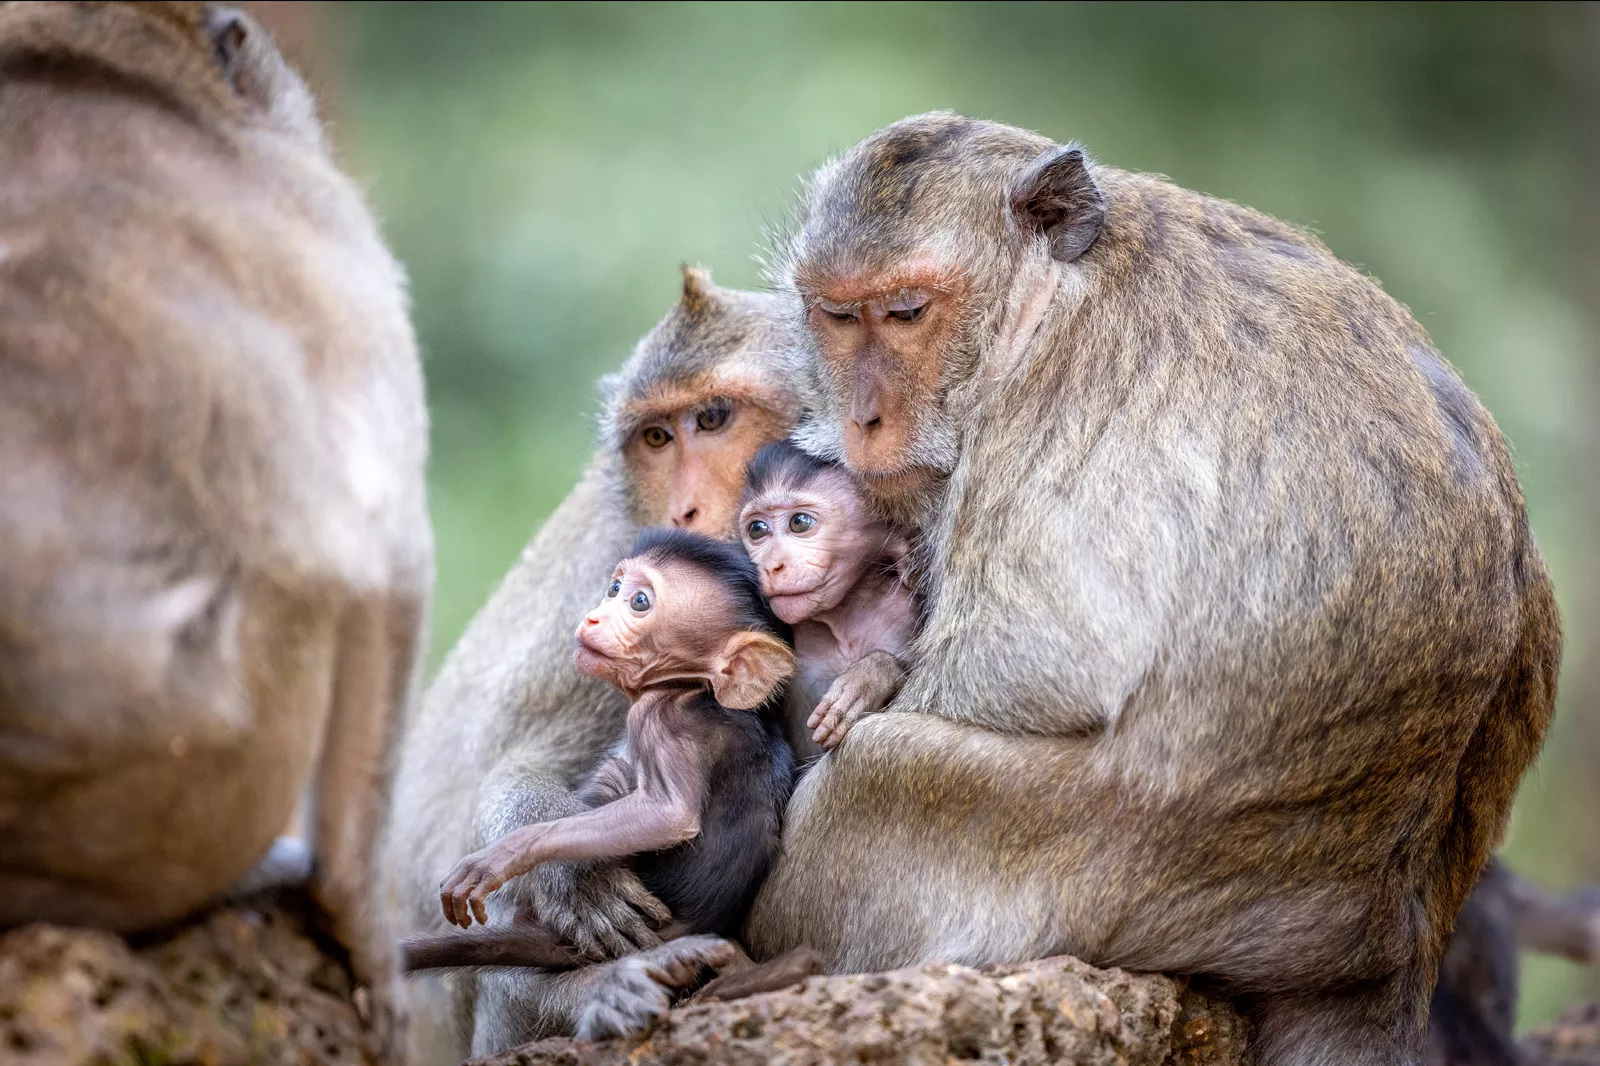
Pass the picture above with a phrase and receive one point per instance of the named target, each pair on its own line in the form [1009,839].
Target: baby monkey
[692,794]
[833,571]
[694,790]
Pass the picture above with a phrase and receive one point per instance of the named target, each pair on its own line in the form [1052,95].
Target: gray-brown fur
[215,558]
[1238,641]
[509,727]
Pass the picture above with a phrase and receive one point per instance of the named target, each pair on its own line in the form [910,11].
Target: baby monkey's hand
[462,894]
[863,689]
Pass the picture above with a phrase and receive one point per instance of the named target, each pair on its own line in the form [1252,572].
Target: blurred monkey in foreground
[712,382]
[215,557]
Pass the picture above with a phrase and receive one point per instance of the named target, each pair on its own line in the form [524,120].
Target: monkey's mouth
[894,484]
[591,660]
[794,605]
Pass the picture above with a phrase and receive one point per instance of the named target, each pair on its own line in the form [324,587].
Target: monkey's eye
[800,522]
[757,529]
[837,312]
[640,602]
[616,587]
[713,418]
[656,437]
[907,314]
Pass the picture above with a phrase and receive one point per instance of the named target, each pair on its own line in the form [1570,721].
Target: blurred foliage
[543,169]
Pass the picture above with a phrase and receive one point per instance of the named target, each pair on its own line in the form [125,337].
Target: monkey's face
[937,245]
[650,625]
[811,544]
[883,343]
[688,463]
[667,621]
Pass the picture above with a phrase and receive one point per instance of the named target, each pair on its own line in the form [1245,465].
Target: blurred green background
[543,169]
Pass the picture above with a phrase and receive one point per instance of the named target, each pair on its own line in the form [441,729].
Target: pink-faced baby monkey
[832,570]
[693,793]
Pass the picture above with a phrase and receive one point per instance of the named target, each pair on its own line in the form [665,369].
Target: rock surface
[1053,1011]
[245,984]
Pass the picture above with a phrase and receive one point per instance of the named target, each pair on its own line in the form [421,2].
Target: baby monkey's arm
[865,688]
[662,811]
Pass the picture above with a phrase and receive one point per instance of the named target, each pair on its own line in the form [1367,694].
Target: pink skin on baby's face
[811,544]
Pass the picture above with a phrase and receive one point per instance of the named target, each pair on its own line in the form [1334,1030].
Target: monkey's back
[709,882]
[211,412]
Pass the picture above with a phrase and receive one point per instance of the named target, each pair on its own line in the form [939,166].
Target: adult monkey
[215,557]
[510,726]
[1238,640]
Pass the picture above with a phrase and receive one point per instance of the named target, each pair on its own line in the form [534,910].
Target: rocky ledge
[1052,1011]
[253,985]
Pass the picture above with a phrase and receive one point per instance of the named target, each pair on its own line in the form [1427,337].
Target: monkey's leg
[1371,1025]
[378,645]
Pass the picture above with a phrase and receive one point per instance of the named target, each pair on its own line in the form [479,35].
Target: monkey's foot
[639,989]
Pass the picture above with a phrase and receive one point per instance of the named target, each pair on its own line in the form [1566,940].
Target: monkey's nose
[686,518]
[591,621]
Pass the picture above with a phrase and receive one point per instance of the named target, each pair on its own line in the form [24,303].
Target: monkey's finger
[479,910]
[616,945]
[449,899]
[632,932]
[819,713]
[585,941]
[640,899]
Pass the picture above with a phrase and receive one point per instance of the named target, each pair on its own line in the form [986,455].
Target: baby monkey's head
[808,531]
[684,607]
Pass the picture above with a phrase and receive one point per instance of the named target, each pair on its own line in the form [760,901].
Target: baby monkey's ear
[749,668]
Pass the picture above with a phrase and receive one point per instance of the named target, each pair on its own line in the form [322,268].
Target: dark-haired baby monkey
[693,794]
[833,571]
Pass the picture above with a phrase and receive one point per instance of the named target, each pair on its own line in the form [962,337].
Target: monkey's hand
[600,908]
[637,991]
[463,892]
[865,688]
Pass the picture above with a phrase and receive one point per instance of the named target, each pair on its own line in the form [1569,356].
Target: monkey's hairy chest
[710,881]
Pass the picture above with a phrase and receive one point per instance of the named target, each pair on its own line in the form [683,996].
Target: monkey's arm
[865,688]
[611,780]
[663,811]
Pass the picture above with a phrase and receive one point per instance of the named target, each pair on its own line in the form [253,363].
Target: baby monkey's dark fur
[745,769]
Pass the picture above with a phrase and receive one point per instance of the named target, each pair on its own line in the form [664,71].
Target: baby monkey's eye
[615,587]
[800,522]
[757,529]
[640,602]
[713,418]
[656,437]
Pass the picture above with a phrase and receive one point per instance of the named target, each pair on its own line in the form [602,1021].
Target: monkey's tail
[523,944]
[1557,925]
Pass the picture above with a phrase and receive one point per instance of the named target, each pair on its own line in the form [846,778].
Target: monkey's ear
[697,289]
[228,31]
[750,667]
[1057,196]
